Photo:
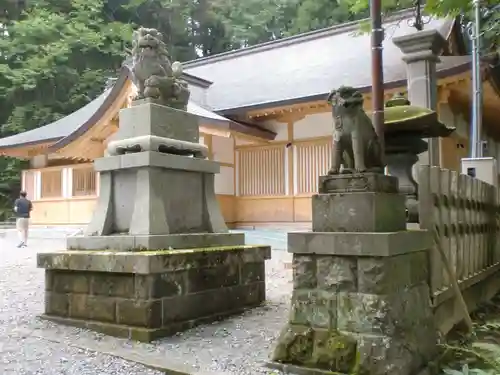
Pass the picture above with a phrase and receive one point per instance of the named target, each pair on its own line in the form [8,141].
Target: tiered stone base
[151,294]
[126,242]
[360,304]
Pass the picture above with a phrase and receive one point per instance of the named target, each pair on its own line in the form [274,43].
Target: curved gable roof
[67,129]
[57,129]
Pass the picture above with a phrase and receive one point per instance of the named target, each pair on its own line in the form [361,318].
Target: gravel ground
[237,346]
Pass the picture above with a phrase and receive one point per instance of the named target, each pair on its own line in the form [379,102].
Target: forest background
[57,55]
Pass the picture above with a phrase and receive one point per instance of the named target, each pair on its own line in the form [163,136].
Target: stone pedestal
[154,195]
[361,301]
[157,257]
[147,196]
[147,295]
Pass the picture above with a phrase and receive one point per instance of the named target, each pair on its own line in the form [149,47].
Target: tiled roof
[304,66]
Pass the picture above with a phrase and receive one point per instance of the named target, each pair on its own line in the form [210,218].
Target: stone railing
[464,211]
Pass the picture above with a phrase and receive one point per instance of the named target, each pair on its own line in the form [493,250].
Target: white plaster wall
[493,150]
[243,141]
[280,128]
[38,161]
[223,149]
[223,152]
[311,126]
[224,181]
[462,126]
[447,117]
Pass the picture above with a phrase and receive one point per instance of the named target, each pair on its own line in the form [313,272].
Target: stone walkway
[237,346]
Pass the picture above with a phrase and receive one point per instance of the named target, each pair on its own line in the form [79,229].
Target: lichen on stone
[327,350]
[295,345]
[334,351]
[405,113]
[141,251]
[198,250]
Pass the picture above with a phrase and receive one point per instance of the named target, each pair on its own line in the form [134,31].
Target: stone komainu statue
[355,143]
[153,72]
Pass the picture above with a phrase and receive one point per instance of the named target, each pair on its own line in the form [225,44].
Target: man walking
[22,208]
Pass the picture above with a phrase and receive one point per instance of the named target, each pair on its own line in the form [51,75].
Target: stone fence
[465,213]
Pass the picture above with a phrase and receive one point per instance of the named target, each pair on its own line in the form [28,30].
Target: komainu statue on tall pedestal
[355,143]
[153,72]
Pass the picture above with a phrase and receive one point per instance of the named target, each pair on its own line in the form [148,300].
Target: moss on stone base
[201,249]
[169,251]
[334,351]
[328,350]
[295,345]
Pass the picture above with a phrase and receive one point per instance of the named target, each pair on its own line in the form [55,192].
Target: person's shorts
[22,223]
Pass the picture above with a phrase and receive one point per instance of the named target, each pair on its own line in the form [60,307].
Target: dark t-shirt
[23,208]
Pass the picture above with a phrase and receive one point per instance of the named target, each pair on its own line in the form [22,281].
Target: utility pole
[377,34]
[474,32]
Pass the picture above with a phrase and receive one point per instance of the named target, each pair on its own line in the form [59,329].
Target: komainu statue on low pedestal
[153,72]
[355,143]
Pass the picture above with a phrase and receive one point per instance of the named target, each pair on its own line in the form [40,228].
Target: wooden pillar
[236,169]
[23,180]
[97,183]
[67,182]
[38,185]
[290,157]
[208,143]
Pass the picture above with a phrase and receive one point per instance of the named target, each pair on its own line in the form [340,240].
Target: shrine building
[263,115]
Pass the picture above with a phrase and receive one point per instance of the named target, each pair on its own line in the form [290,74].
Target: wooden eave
[297,111]
[26,151]
[90,145]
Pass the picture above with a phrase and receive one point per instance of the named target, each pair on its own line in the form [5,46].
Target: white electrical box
[484,169]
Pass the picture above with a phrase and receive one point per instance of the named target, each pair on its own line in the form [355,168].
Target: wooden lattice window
[51,184]
[84,182]
[312,159]
[262,171]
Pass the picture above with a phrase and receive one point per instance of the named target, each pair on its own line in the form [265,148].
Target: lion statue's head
[345,98]
[147,41]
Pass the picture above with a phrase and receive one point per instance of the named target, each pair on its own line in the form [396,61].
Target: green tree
[317,14]
[56,59]
[171,17]
[441,8]
[10,183]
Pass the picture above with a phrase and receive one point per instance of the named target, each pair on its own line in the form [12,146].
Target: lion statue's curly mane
[154,75]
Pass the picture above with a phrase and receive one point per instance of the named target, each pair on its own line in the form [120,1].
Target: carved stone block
[358,212]
[148,118]
[359,182]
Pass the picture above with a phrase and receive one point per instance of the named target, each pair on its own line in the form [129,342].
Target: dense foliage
[56,55]
[490,14]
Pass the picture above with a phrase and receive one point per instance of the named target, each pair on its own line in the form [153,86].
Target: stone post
[361,301]
[421,53]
